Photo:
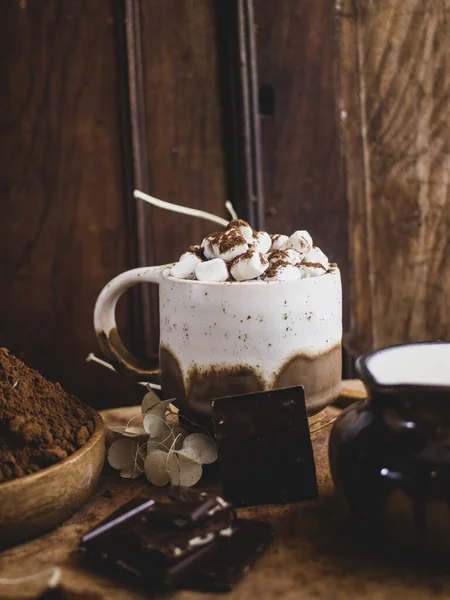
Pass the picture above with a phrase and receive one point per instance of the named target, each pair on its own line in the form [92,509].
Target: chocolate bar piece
[127,511]
[144,541]
[124,553]
[191,507]
[235,555]
[264,445]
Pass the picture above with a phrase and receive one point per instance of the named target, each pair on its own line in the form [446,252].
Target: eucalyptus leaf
[149,401]
[121,453]
[200,447]
[130,472]
[155,468]
[183,470]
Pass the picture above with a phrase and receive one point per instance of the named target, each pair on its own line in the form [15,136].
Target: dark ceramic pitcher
[390,453]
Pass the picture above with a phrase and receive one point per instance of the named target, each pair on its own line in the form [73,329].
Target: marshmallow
[229,244]
[250,265]
[282,271]
[207,246]
[243,227]
[300,241]
[251,256]
[293,256]
[185,267]
[278,240]
[290,255]
[261,242]
[314,263]
[197,250]
[212,270]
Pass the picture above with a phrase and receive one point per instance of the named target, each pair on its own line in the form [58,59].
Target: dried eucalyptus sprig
[160,448]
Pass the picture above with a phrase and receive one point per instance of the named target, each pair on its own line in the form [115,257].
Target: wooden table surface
[313,556]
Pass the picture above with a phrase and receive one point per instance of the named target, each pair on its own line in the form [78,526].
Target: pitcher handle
[105,320]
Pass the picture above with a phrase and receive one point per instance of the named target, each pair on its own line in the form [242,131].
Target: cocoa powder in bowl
[40,423]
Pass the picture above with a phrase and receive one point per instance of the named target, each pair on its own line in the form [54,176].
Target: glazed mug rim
[332,272]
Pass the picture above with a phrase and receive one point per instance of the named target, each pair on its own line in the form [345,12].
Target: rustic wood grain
[396,131]
[129,33]
[130,99]
[303,184]
[62,228]
[238,75]
[183,123]
[313,557]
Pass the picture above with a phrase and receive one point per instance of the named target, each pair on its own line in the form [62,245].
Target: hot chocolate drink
[243,311]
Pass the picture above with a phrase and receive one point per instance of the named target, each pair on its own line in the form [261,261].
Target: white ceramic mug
[220,339]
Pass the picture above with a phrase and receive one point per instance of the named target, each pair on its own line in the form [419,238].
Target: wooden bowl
[39,502]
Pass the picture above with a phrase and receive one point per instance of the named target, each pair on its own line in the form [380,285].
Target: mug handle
[105,319]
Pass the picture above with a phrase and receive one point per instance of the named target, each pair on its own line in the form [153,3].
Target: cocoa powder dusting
[230,239]
[314,265]
[40,423]
[198,251]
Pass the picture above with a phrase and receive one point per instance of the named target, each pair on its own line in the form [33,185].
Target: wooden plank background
[395,82]
[303,183]
[63,230]
[67,171]
[182,126]
[69,222]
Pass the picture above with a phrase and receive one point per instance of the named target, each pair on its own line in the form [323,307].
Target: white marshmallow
[250,265]
[315,255]
[308,271]
[261,242]
[192,250]
[283,271]
[292,256]
[212,270]
[314,263]
[278,240]
[185,267]
[245,229]
[300,241]
[229,245]
[207,247]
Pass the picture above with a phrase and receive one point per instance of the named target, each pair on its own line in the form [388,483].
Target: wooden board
[313,556]
[62,230]
[395,106]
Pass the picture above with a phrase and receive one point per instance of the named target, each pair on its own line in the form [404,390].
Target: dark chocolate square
[144,539]
[264,444]
[235,555]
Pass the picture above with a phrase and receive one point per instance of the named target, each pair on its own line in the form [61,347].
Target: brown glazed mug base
[320,376]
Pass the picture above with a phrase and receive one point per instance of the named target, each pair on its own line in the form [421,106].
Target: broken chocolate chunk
[144,539]
[235,555]
[124,513]
[194,542]
[191,506]
[264,445]
[127,552]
